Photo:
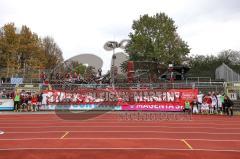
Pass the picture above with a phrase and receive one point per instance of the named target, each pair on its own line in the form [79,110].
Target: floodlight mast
[111,46]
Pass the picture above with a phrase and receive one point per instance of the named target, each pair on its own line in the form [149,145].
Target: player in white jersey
[220,99]
[200,101]
[214,102]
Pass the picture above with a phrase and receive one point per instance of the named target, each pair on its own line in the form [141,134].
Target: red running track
[48,136]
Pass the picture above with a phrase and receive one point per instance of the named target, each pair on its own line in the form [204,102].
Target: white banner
[16,80]
[6,104]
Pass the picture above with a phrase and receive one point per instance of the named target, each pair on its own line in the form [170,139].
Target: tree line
[205,65]
[153,44]
[22,50]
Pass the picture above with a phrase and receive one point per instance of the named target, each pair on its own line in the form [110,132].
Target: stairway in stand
[236,106]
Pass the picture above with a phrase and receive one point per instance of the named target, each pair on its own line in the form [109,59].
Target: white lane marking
[7,120]
[193,123]
[64,135]
[97,131]
[122,138]
[114,126]
[120,148]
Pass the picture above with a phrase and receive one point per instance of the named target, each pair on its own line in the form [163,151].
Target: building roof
[88,59]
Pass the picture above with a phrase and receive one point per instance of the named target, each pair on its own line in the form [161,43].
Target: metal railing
[199,79]
[211,86]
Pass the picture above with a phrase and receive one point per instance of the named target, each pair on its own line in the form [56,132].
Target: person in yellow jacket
[16,101]
[188,106]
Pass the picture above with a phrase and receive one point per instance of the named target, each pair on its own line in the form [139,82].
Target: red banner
[128,99]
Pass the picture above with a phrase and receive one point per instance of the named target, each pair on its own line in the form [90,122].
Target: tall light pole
[111,46]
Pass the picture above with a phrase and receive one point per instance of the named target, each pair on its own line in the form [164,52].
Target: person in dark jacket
[228,105]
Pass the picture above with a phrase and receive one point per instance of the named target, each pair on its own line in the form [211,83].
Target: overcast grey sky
[83,26]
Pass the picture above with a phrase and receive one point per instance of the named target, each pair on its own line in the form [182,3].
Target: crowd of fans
[6,95]
[70,77]
[59,77]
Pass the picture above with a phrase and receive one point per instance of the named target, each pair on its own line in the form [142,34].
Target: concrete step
[236,106]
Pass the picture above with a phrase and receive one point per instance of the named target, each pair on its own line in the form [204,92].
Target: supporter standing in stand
[75,77]
[43,77]
[57,78]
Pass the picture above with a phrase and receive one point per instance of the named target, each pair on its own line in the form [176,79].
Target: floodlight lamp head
[110,45]
[123,44]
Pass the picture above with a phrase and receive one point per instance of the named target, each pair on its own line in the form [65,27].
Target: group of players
[212,103]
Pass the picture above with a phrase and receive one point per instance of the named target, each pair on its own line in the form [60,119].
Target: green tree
[9,43]
[21,49]
[154,38]
[75,66]
[205,66]
[53,53]
[231,57]
[30,54]
[89,74]
[80,69]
